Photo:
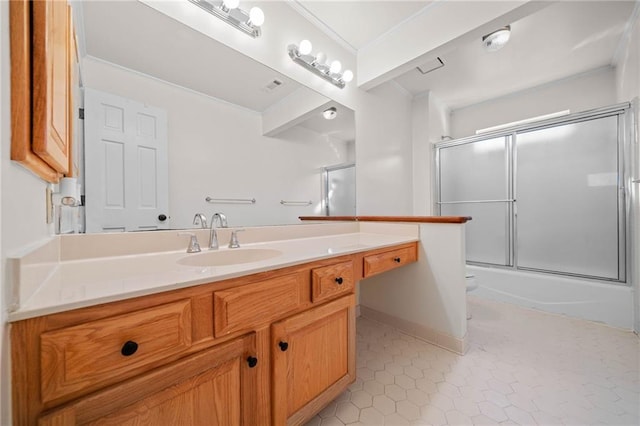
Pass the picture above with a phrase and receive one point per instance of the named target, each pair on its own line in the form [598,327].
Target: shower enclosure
[339,188]
[546,197]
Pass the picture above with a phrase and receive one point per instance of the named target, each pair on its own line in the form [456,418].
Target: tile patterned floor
[523,367]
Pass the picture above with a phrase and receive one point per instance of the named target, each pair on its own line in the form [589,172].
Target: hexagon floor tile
[523,367]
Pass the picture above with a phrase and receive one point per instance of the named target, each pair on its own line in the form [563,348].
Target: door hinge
[81,113]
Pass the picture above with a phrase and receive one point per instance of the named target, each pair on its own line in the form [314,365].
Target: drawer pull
[339,280]
[129,348]
[396,259]
[283,346]
[252,361]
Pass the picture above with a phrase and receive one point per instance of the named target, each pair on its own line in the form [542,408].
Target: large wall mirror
[173,117]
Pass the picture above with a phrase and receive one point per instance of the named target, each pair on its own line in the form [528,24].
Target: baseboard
[421,332]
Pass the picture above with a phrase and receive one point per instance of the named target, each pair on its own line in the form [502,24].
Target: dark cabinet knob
[283,346]
[252,361]
[162,217]
[396,259]
[129,348]
[339,280]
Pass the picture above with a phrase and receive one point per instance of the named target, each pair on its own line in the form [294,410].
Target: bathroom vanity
[264,342]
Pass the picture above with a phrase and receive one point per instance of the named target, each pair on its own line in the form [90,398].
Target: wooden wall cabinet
[271,348]
[42,77]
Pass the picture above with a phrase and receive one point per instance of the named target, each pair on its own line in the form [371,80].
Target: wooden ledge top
[414,219]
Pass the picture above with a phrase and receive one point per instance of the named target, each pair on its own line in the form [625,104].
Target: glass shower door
[568,199]
[340,190]
[474,181]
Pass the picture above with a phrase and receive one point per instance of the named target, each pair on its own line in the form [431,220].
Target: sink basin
[228,257]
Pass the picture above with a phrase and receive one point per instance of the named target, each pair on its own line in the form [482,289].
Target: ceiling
[561,40]
[343,127]
[360,22]
[170,51]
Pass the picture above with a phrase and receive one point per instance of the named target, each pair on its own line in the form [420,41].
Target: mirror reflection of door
[127,177]
[340,190]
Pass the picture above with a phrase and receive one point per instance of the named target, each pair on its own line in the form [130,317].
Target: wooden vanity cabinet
[216,387]
[272,348]
[313,357]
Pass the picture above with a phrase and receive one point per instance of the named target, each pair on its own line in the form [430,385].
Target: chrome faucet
[234,238]
[200,219]
[223,219]
[213,235]
[194,246]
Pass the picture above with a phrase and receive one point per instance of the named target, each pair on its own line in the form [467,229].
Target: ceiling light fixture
[330,113]
[318,64]
[230,12]
[497,39]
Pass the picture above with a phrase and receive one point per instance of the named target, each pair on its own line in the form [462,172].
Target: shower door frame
[625,113]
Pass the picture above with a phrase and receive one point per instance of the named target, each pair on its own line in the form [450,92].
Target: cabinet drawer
[98,353]
[251,305]
[331,281]
[381,262]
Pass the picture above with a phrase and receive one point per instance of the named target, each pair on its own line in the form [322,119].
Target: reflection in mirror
[173,117]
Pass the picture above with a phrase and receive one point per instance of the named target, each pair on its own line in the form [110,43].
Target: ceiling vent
[433,65]
[272,86]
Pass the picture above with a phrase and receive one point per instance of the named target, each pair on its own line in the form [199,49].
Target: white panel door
[126,164]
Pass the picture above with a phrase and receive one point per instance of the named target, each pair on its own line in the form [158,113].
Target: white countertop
[80,283]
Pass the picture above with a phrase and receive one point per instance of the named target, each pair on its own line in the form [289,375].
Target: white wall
[586,91]
[384,152]
[628,88]
[430,123]
[429,295]
[22,214]
[217,149]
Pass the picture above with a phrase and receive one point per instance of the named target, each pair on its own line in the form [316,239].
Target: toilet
[471,285]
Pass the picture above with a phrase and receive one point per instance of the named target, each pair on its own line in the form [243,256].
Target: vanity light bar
[236,17]
[316,65]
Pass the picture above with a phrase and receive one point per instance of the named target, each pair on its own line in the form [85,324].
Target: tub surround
[71,272]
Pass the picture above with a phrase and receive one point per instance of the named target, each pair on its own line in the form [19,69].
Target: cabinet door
[51,81]
[313,355]
[214,387]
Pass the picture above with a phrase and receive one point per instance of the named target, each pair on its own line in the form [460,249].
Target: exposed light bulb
[231,4]
[256,16]
[305,47]
[335,67]
[347,76]
[321,58]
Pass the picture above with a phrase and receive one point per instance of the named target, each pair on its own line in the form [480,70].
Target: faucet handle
[234,238]
[194,246]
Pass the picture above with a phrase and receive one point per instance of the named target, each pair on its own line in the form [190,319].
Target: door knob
[283,346]
[162,217]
